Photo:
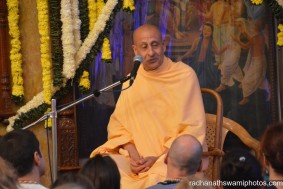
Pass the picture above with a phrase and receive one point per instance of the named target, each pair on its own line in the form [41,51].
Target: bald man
[183,160]
[163,103]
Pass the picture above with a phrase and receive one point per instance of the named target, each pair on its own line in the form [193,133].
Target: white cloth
[31,186]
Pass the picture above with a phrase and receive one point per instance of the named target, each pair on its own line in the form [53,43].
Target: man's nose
[150,51]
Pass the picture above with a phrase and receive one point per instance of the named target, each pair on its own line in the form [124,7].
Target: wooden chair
[213,137]
[217,128]
[237,129]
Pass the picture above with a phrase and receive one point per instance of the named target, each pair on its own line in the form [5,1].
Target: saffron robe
[160,106]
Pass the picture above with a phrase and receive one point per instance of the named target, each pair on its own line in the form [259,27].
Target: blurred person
[272,149]
[68,179]
[240,165]
[102,171]
[21,148]
[8,175]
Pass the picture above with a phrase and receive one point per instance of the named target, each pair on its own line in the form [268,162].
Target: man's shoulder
[163,185]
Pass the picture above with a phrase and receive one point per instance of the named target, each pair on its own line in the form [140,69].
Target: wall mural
[225,42]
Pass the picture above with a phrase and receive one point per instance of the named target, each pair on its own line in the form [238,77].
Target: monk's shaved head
[147,27]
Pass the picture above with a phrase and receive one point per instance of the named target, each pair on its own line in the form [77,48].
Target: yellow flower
[280,27]
[92,13]
[257,2]
[42,8]
[15,52]
[106,51]
[280,38]
[48,122]
[129,4]
[84,81]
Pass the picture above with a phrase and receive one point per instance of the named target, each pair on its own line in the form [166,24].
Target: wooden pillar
[5,89]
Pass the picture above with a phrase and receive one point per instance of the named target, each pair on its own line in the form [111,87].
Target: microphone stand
[53,115]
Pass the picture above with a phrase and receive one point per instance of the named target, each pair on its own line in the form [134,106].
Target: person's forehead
[145,37]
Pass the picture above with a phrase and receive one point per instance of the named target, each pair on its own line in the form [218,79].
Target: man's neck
[30,178]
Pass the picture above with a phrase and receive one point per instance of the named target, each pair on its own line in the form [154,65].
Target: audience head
[75,181]
[102,171]
[184,156]
[149,44]
[272,148]
[240,165]
[8,176]
[21,148]
[73,185]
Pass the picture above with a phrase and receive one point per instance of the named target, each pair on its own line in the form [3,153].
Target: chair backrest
[242,134]
[213,137]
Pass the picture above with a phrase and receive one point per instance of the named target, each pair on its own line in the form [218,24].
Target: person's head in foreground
[21,148]
[240,165]
[102,171]
[272,149]
[184,157]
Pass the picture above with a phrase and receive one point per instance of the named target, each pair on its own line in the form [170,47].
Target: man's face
[149,44]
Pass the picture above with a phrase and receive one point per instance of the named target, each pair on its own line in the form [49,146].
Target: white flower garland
[94,33]
[76,23]
[85,48]
[68,40]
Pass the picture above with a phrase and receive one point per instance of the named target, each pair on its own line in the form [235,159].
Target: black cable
[48,150]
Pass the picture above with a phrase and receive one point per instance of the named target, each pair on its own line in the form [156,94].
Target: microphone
[137,61]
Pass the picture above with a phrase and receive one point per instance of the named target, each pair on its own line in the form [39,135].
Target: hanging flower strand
[68,39]
[42,8]
[106,51]
[280,35]
[92,13]
[15,52]
[128,5]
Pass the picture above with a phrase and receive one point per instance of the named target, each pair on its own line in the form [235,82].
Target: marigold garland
[129,5]
[106,51]
[36,106]
[280,35]
[15,52]
[92,14]
[257,2]
[43,20]
[84,83]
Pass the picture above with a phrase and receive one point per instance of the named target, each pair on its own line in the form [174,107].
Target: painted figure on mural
[255,67]
[204,49]
[230,68]
[168,15]
[219,13]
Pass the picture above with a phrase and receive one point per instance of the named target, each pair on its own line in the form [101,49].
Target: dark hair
[102,171]
[240,165]
[71,178]
[272,146]
[18,148]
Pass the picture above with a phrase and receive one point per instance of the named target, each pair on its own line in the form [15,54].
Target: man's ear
[36,158]
[135,49]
